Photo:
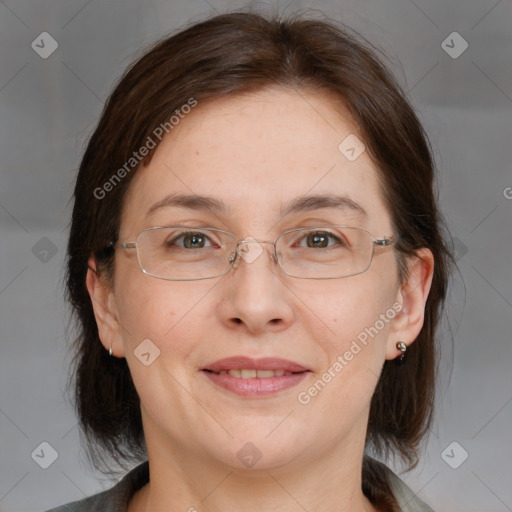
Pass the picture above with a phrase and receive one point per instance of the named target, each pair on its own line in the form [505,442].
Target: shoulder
[113,500]
[406,499]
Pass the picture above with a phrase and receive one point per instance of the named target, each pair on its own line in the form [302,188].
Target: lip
[256,387]
[266,363]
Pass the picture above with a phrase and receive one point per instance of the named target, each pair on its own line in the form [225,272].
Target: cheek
[167,313]
[162,322]
[359,303]
[360,316]
[354,346]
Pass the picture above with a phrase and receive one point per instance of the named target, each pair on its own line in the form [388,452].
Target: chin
[257,453]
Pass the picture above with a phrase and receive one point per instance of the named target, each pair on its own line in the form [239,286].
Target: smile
[253,374]
[255,378]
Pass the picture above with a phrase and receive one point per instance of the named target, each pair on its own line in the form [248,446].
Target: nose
[250,249]
[255,298]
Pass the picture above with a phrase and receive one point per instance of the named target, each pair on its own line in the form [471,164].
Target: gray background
[48,108]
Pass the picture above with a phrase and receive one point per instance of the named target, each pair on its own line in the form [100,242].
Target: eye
[320,239]
[190,239]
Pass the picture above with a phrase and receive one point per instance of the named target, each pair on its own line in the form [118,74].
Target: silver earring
[402,346]
[110,351]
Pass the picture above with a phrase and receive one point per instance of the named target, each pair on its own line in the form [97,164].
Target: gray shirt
[117,498]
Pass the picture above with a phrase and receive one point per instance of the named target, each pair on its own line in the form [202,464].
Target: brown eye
[194,240]
[190,240]
[320,239]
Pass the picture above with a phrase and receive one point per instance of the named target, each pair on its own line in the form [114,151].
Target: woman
[257,268]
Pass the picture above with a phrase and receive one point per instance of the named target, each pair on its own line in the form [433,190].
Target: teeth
[265,374]
[253,374]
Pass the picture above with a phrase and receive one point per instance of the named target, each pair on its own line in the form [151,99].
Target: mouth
[247,373]
[255,378]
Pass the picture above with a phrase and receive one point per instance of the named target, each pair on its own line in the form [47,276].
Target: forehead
[257,153]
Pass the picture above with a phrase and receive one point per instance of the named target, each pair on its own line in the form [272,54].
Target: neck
[191,481]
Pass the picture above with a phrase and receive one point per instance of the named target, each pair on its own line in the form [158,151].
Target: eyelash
[328,234]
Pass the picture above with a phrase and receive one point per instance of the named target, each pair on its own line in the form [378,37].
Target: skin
[243,150]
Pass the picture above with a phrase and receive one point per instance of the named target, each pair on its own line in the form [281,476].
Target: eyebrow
[298,205]
[192,202]
[316,202]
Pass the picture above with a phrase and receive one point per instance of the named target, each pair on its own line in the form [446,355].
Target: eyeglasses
[179,253]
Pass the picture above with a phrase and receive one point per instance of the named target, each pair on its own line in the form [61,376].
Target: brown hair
[232,54]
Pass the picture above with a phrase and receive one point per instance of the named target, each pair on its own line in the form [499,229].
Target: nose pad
[250,250]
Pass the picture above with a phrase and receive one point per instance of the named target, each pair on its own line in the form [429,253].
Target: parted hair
[232,54]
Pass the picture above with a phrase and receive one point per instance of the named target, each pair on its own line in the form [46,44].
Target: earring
[110,351]
[402,346]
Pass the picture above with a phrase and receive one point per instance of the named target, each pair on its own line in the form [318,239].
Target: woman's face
[256,153]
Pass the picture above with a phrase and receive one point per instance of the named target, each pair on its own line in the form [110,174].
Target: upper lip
[266,363]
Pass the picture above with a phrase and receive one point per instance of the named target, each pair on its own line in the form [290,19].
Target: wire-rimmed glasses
[184,253]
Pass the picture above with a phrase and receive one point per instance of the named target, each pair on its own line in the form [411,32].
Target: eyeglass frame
[234,258]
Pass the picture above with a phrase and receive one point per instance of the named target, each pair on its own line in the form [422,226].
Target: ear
[105,310]
[412,295]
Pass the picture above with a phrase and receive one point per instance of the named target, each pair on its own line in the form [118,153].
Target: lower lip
[256,387]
